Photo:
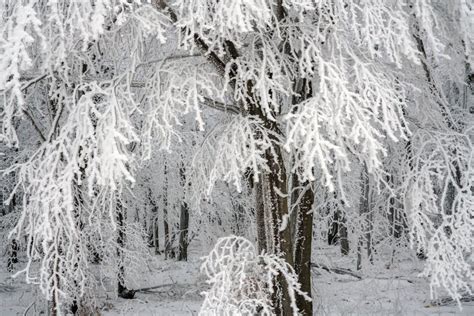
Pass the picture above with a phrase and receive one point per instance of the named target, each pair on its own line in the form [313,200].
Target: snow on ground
[395,291]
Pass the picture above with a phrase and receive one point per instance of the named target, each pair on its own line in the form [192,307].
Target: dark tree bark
[363,212]
[303,244]
[122,290]
[276,205]
[153,235]
[165,211]
[337,231]
[120,245]
[333,231]
[302,200]
[260,216]
[183,222]
[343,234]
[12,255]
[156,235]
[370,225]
[183,233]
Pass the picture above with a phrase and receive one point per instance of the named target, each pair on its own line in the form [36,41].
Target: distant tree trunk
[183,233]
[363,212]
[260,216]
[122,290]
[370,218]
[451,192]
[153,235]
[343,235]
[183,222]
[240,220]
[333,231]
[120,245]
[338,227]
[303,243]
[396,219]
[12,255]
[165,211]
[156,236]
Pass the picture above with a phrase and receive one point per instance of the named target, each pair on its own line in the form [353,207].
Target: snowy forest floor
[395,291]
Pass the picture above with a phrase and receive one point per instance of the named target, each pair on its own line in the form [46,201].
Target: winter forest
[236,157]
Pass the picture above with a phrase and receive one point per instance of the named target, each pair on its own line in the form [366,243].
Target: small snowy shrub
[242,280]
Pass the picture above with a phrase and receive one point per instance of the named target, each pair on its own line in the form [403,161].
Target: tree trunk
[156,236]
[183,222]
[165,211]
[12,255]
[260,216]
[120,246]
[122,290]
[333,231]
[303,244]
[370,218]
[343,235]
[153,231]
[363,212]
[183,233]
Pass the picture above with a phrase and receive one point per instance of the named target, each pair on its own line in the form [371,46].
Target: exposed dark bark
[276,199]
[122,290]
[333,231]
[153,233]
[183,233]
[183,223]
[303,245]
[260,216]
[370,221]
[12,255]
[156,238]
[165,211]
[343,235]
[363,212]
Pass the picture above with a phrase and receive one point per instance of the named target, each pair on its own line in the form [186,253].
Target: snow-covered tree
[288,98]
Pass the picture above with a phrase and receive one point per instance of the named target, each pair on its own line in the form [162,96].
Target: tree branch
[33,81]
[336,270]
[35,125]
[221,106]
[200,44]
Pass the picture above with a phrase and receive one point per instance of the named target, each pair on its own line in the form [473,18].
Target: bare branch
[221,106]
[35,125]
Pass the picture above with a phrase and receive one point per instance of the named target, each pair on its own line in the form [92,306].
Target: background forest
[236,157]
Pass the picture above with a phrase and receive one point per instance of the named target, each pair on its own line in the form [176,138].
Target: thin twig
[28,308]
